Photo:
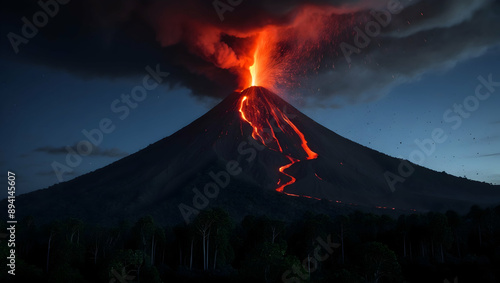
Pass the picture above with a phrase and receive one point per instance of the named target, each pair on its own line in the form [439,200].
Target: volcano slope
[253,153]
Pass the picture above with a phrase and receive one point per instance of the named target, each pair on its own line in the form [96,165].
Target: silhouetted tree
[476,215]
[379,262]
[440,232]
[454,221]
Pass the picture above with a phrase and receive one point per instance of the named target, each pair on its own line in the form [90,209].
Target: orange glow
[282,170]
[253,70]
[259,112]
[288,46]
[263,69]
[280,56]
[310,154]
[241,108]
[255,133]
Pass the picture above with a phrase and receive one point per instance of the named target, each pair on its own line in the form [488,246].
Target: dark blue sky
[47,100]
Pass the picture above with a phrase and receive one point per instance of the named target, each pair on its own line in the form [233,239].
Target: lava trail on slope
[273,127]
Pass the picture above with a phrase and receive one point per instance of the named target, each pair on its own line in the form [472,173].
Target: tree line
[359,247]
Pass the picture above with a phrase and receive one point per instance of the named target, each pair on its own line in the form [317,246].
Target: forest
[359,247]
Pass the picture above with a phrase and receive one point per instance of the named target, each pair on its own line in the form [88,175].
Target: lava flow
[273,128]
[260,109]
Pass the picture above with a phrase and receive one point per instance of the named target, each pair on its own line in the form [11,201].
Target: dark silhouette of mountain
[215,161]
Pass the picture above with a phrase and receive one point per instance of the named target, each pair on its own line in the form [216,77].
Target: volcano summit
[252,153]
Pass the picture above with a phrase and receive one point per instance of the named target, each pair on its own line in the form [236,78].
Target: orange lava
[255,133]
[259,114]
[282,170]
[264,70]
[310,154]
[253,70]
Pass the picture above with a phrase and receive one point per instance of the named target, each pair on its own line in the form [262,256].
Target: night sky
[407,82]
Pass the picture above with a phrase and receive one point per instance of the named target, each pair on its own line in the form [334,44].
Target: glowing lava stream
[253,70]
[260,113]
[257,117]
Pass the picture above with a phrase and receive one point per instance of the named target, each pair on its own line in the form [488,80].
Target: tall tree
[144,231]
[342,223]
[53,229]
[203,223]
[476,214]
[222,227]
[73,227]
[440,231]
[379,262]
[454,221]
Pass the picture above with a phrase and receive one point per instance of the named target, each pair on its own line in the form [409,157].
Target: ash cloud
[209,56]
[418,40]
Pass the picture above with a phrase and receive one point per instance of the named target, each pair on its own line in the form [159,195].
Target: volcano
[253,153]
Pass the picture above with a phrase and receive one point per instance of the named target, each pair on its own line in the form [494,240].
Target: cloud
[488,155]
[211,57]
[407,51]
[492,139]
[96,151]
[444,14]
